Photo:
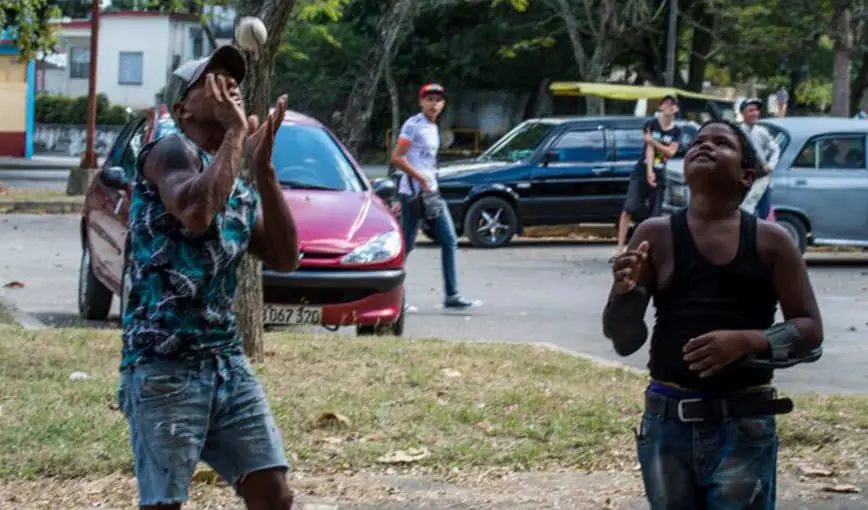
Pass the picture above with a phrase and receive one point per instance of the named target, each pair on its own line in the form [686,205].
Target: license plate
[288,315]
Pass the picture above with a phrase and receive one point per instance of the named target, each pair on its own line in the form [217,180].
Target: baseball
[250,33]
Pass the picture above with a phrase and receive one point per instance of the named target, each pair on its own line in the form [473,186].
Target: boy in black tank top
[707,438]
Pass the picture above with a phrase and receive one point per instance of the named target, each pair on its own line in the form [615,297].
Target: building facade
[17,94]
[137,51]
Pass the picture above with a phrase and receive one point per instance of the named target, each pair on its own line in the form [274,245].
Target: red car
[351,271]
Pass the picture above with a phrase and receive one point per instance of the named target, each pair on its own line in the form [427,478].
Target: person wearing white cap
[767,148]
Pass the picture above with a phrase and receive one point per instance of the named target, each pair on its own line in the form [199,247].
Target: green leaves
[526,45]
[28,23]
[312,10]
[518,5]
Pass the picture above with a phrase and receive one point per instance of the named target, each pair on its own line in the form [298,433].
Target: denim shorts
[180,412]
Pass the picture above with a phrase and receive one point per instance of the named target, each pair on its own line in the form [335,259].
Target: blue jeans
[179,412]
[444,230]
[715,466]
[764,206]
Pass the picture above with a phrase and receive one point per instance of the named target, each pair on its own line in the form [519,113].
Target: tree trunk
[199,10]
[257,96]
[843,65]
[534,106]
[700,47]
[394,102]
[859,85]
[353,124]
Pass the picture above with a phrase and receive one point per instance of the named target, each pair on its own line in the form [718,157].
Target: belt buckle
[680,408]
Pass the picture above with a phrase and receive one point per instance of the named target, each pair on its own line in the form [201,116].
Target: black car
[550,171]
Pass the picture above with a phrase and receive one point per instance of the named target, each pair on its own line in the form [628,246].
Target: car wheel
[490,222]
[795,227]
[94,299]
[394,329]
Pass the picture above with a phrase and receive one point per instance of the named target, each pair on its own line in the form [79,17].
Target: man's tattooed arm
[192,196]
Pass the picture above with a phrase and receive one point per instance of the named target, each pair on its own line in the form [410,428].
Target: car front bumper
[347,297]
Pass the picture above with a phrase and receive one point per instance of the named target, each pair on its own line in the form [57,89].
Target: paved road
[47,179]
[54,179]
[544,293]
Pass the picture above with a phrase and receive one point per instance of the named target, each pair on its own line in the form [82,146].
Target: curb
[39,165]
[25,320]
[11,206]
[596,360]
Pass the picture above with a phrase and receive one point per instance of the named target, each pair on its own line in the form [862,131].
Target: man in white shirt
[767,148]
[416,155]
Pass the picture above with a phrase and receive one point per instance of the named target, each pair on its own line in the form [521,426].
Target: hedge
[52,109]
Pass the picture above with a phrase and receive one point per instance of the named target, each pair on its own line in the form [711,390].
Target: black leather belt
[696,410]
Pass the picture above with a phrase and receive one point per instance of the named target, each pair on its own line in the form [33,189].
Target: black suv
[551,171]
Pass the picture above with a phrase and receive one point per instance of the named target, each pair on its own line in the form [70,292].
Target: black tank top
[703,297]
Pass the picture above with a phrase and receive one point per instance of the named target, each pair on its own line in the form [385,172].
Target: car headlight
[377,249]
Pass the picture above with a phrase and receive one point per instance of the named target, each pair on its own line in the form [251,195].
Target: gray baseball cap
[186,75]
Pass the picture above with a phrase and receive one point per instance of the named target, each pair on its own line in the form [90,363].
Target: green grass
[5,316]
[517,407]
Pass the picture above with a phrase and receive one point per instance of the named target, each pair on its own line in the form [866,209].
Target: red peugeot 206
[351,271]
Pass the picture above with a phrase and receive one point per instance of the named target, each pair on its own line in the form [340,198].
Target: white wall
[149,35]
[58,81]
[158,38]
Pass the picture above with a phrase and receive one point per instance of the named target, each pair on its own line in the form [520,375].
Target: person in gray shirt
[767,148]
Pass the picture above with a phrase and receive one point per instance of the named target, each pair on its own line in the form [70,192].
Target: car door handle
[600,170]
[801,182]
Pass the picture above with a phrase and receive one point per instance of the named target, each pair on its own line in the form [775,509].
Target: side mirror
[551,157]
[114,177]
[385,188]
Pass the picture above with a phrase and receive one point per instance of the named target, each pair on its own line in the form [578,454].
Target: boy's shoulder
[773,242]
[771,232]
[656,230]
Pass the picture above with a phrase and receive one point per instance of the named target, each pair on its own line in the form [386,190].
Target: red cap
[432,88]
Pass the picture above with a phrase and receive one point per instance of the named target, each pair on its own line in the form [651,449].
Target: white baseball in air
[250,33]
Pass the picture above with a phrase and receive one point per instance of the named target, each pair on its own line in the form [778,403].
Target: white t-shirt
[424,139]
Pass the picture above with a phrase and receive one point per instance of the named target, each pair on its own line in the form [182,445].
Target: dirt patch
[488,489]
[577,232]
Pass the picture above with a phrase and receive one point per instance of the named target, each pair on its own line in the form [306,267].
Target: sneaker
[460,303]
[408,308]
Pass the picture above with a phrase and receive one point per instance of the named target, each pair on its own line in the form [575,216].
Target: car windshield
[307,157]
[518,144]
[304,157]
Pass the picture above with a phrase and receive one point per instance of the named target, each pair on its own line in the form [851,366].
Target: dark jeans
[444,231]
[714,466]
[764,206]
